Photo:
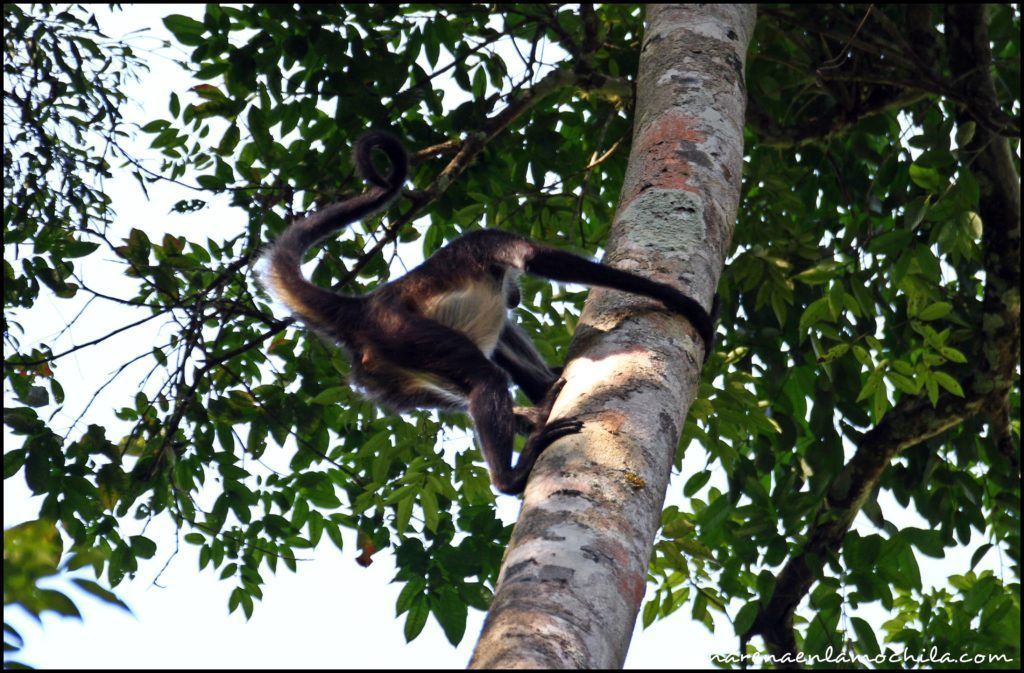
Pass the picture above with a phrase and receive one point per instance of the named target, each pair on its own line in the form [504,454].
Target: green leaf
[334,533]
[451,613]
[903,367]
[931,386]
[715,514]
[927,178]
[871,385]
[211,182]
[949,383]
[155,126]
[837,351]
[142,546]
[778,302]
[419,610]
[403,513]
[965,133]
[247,605]
[745,617]
[230,140]
[980,554]
[973,225]
[928,541]
[952,354]
[903,383]
[332,395]
[479,83]
[187,30]
[650,612]
[696,482]
[914,212]
[22,420]
[99,592]
[935,311]
[74,249]
[412,591]
[879,403]
[815,312]
[405,492]
[51,599]
[865,636]
[891,242]
[13,460]
[862,552]
[428,501]
[819,274]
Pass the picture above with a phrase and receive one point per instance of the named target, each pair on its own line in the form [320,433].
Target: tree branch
[822,128]
[914,420]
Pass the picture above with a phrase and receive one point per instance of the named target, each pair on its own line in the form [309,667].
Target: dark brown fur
[439,336]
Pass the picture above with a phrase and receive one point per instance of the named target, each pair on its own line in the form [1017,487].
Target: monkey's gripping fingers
[531,420]
[553,392]
[515,481]
[551,432]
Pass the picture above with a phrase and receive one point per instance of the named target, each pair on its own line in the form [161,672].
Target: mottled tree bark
[575,572]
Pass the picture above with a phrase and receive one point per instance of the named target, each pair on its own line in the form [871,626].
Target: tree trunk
[575,571]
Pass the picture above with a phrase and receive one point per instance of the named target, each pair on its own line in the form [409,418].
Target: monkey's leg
[420,344]
[517,355]
[490,405]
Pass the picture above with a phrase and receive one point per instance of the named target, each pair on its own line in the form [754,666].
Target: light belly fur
[477,310]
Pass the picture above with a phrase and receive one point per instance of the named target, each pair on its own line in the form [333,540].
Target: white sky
[332,612]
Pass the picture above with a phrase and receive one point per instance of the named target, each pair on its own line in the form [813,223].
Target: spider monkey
[439,336]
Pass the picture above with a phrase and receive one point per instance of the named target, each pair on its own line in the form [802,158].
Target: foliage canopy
[869,345]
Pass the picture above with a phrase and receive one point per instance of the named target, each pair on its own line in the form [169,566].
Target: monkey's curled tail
[314,304]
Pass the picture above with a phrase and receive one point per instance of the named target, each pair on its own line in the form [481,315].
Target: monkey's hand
[541,433]
[529,419]
[554,430]
[533,421]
